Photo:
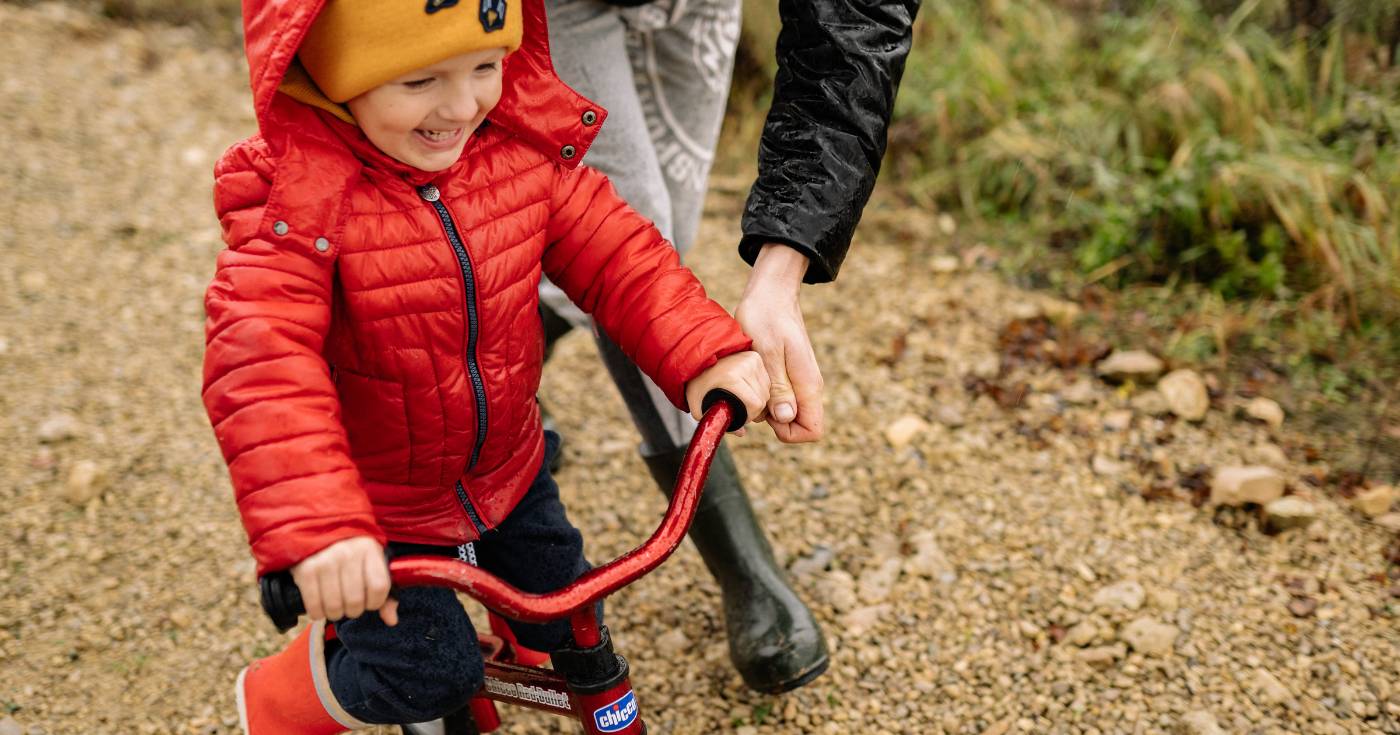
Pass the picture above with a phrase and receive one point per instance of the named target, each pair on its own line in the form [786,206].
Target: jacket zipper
[433,196]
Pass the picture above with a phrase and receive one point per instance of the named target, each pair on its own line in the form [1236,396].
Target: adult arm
[839,64]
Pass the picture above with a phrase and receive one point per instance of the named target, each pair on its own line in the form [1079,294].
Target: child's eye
[489,66]
[419,83]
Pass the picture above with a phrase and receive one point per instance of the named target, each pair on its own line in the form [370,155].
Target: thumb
[782,401]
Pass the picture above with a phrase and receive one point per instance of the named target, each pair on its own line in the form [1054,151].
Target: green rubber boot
[774,641]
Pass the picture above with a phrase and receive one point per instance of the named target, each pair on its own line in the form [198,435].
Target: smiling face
[423,118]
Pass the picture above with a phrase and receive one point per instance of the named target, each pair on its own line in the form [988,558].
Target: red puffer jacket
[373,340]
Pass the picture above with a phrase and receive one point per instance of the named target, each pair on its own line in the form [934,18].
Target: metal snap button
[322,244]
[280,228]
[568,152]
[429,193]
[590,117]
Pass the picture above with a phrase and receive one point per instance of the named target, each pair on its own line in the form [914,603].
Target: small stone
[862,619]
[1266,410]
[814,563]
[904,429]
[950,416]
[1103,656]
[876,583]
[1000,728]
[181,618]
[1081,392]
[928,560]
[945,264]
[1149,636]
[8,726]
[1122,596]
[986,367]
[839,589]
[1150,402]
[1269,454]
[1025,310]
[1268,690]
[672,643]
[946,224]
[1239,485]
[1136,365]
[1302,607]
[86,481]
[1119,420]
[1389,521]
[1375,501]
[1200,722]
[1082,634]
[59,427]
[1061,311]
[1186,394]
[1289,512]
[1105,467]
[1165,600]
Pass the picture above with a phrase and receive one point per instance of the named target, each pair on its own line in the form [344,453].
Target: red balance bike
[589,682]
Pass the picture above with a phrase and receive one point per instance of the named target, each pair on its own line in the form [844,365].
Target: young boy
[374,344]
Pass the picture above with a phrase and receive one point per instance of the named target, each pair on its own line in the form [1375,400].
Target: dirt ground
[977,569]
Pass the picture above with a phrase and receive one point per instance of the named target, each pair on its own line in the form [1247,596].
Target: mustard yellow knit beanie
[357,45]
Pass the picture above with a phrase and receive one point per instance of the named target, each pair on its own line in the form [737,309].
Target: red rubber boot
[289,694]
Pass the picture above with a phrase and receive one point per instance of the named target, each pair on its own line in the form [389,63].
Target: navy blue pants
[429,664]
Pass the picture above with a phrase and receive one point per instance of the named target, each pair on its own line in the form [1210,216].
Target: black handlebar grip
[741,414]
[281,600]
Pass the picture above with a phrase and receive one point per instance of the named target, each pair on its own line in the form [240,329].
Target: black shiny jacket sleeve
[839,64]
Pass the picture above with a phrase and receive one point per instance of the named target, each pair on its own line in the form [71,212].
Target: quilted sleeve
[267,387]
[615,265]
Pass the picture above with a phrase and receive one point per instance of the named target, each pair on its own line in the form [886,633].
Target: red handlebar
[598,583]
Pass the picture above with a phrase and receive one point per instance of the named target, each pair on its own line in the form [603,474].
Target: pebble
[946,224]
[1118,420]
[1267,690]
[1149,636]
[950,416]
[1289,512]
[839,589]
[1082,634]
[59,427]
[1136,365]
[904,430]
[813,563]
[1150,402]
[1186,394]
[1266,410]
[86,482]
[1200,722]
[928,559]
[1103,656]
[1389,521]
[1105,467]
[1267,453]
[1081,392]
[1238,485]
[1375,501]
[877,582]
[672,643]
[1127,595]
[862,619]
[8,726]
[945,264]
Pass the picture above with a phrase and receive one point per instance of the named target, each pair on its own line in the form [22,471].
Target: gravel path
[983,564]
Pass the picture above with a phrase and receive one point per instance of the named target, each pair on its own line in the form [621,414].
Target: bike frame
[608,706]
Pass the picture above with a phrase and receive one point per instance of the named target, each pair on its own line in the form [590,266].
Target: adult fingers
[807,387]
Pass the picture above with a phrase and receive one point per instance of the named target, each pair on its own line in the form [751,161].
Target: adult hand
[772,317]
[345,579]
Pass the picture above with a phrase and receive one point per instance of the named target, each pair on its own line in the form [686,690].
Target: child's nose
[461,106]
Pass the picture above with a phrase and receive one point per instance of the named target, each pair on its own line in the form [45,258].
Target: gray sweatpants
[662,72]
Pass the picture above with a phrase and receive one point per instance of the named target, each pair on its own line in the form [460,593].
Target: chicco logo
[436,5]
[617,715]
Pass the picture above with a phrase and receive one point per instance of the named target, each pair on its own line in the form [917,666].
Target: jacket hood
[534,104]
